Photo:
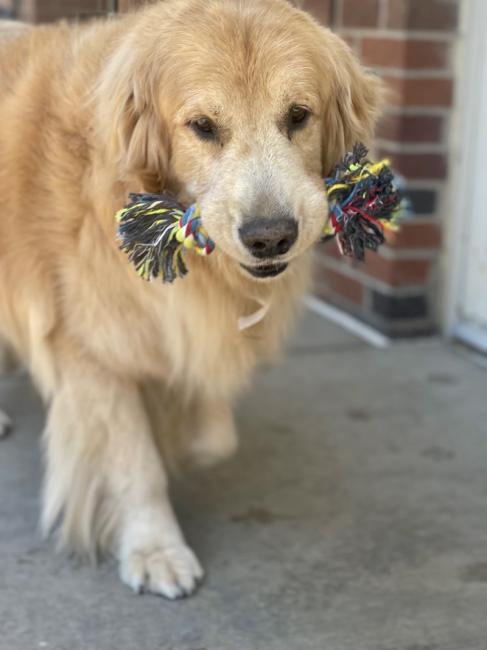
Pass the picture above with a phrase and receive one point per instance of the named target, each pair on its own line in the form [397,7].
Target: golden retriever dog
[241,105]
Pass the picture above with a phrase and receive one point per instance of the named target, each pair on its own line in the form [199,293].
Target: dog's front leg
[106,479]
[214,438]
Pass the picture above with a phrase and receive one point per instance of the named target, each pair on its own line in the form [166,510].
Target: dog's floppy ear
[353,100]
[130,128]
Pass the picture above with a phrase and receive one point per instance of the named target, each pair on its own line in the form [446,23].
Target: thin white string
[244,322]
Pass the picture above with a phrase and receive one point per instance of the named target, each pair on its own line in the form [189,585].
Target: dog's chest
[178,334]
[188,333]
[205,343]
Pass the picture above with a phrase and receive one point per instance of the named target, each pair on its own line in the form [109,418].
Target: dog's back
[25,73]
[43,159]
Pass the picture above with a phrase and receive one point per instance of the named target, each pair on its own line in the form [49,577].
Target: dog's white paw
[5,424]
[173,571]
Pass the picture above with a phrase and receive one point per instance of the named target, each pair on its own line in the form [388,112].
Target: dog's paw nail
[172,572]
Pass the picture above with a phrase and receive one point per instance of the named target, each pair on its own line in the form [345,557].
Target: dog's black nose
[269,237]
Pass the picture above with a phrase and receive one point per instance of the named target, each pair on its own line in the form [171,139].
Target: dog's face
[248,148]
[243,107]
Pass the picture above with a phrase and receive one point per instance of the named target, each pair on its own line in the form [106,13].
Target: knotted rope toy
[363,201]
[155,231]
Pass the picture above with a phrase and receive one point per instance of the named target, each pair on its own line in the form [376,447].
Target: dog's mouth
[265,270]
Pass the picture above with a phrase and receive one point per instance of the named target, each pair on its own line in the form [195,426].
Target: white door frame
[470,59]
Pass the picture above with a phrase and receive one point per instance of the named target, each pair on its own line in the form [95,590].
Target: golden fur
[89,113]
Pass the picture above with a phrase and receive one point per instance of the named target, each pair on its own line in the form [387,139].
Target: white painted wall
[465,261]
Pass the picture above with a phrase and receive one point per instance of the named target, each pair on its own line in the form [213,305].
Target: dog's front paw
[5,424]
[172,571]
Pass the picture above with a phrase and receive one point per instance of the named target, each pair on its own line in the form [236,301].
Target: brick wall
[49,10]
[320,9]
[126,5]
[6,8]
[409,44]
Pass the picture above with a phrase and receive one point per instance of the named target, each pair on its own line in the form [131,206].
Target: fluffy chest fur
[186,333]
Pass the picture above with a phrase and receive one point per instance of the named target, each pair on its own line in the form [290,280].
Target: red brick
[355,43]
[414,234]
[27,11]
[396,272]
[327,280]
[127,5]
[418,165]
[411,128]
[401,53]
[435,15]
[360,13]
[420,91]
[320,9]
[330,249]
[48,10]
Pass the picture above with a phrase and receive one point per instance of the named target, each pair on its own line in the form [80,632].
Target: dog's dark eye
[204,128]
[297,117]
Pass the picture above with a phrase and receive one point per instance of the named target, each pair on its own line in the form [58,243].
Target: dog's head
[244,107]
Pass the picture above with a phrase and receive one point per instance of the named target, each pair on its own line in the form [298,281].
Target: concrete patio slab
[353,518]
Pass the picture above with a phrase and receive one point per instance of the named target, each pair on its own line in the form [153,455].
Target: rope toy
[155,231]
[363,201]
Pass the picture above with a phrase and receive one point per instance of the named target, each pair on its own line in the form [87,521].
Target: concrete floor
[354,517]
